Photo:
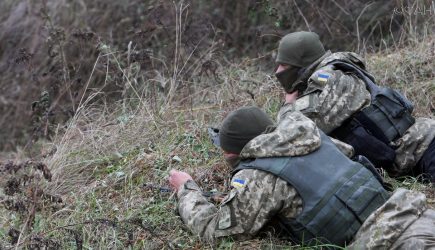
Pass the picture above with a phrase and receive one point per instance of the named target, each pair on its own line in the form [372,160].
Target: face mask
[288,77]
[232,160]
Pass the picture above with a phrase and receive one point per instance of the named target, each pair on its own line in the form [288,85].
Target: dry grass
[101,160]
[410,69]
[104,158]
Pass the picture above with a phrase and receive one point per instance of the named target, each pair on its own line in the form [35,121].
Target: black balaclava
[299,50]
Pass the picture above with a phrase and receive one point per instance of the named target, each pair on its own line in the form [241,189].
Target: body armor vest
[337,193]
[389,114]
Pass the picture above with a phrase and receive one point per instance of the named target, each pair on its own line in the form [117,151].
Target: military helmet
[241,126]
[300,49]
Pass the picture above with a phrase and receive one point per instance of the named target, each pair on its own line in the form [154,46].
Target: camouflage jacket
[257,197]
[244,211]
[332,97]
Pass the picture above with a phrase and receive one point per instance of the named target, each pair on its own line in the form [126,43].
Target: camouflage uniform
[249,207]
[333,96]
[403,222]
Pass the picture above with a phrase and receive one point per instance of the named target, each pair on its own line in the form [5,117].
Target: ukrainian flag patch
[238,183]
[323,77]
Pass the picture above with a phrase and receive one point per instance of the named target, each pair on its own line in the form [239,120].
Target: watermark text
[416,9]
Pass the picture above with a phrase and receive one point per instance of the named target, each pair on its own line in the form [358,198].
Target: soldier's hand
[291,97]
[178,178]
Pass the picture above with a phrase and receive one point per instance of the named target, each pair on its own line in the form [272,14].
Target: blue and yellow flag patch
[238,183]
[323,77]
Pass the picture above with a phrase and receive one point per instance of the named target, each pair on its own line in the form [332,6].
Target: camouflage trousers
[426,165]
[420,234]
[403,222]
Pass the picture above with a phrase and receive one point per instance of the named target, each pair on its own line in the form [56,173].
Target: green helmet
[241,126]
[300,49]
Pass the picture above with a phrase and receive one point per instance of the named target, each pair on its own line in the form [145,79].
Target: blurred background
[51,51]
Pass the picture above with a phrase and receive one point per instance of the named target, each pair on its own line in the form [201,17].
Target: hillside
[98,182]
[95,177]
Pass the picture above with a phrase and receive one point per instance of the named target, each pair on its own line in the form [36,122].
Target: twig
[23,228]
[357,24]
[302,14]
[341,8]
[332,19]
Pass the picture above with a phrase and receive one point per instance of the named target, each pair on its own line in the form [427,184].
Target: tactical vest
[338,194]
[389,114]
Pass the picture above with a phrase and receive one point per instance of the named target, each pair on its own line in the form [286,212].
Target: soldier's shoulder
[350,57]
[323,75]
[251,174]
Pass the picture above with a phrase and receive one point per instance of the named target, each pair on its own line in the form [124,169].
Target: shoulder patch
[238,183]
[323,77]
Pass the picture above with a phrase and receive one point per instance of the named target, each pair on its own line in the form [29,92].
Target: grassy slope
[102,164]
